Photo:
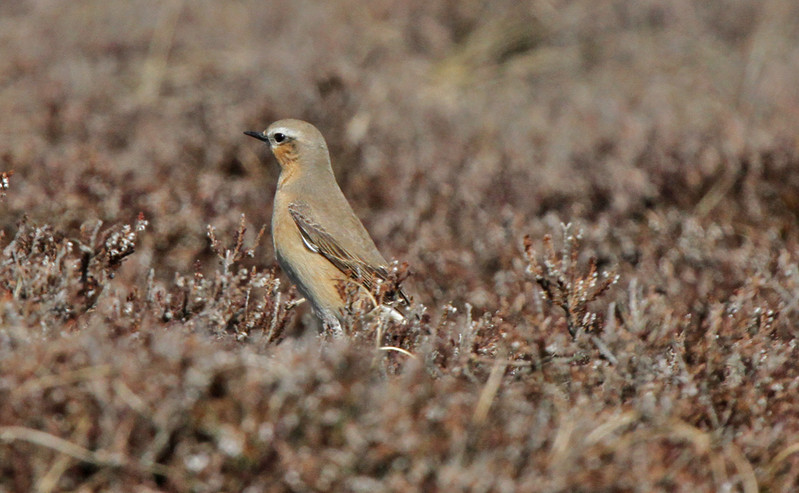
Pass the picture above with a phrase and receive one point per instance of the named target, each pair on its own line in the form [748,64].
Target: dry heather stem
[563,285]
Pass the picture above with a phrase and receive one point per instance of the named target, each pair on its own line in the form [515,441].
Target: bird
[319,242]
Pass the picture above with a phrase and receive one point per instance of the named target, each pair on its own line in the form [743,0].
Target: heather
[597,202]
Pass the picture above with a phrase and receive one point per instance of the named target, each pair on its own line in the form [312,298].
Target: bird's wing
[318,240]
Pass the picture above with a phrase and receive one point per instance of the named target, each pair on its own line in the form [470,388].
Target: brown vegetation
[647,151]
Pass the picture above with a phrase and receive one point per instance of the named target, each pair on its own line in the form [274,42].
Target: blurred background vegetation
[134,352]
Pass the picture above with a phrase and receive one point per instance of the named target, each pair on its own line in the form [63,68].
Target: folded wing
[318,240]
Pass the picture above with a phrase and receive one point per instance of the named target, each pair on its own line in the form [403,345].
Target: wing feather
[318,240]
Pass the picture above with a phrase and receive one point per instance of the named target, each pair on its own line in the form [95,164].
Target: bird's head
[295,144]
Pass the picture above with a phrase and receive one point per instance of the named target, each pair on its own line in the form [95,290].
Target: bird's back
[333,212]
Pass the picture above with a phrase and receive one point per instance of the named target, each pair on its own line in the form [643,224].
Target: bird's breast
[315,277]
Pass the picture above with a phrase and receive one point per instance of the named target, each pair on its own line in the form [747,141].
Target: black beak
[257,135]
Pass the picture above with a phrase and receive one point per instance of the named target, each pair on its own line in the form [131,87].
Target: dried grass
[147,339]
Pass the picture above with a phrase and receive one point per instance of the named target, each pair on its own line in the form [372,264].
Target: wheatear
[319,241]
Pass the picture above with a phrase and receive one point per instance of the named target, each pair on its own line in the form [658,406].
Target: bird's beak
[257,135]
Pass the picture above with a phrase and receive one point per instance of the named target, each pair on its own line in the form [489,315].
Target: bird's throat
[287,157]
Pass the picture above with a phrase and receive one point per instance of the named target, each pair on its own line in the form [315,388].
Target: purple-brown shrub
[171,359]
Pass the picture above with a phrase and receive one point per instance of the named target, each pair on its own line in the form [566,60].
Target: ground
[625,172]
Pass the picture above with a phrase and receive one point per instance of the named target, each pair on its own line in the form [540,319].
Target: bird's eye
[280,137]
